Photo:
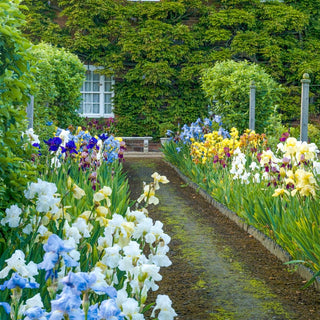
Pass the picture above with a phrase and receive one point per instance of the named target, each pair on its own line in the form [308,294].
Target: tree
[16,170]
[228,84]
[59,76]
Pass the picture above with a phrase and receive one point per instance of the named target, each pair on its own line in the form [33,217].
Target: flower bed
[76,247]
[276,191]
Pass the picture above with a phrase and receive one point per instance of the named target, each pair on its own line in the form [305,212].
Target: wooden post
[304,107]
[30,106]
[252,106]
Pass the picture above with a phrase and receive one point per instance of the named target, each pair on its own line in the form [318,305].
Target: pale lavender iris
[66,303]
[16,281]
[35,313]
[55,248]
[82,281]
[110,310]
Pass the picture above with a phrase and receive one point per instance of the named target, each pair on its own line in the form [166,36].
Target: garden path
[218,271]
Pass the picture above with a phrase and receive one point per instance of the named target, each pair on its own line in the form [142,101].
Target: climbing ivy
[157,50]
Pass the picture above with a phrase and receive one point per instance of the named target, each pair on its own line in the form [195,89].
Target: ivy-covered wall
[158,49]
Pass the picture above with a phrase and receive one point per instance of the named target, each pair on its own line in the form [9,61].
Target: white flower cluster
[132,249]
[33,138]
[12,216]
[45,195]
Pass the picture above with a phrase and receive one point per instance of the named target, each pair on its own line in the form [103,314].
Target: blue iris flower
[49,123]
[169,133]
[92,142]
[16,281]
[66,303]
[82,281]
[217,119]
[55,248]
[103,136]
[93,312]
[110,310]
[70,147]
[35,313]
[53,143]
[224,133]
[6,307]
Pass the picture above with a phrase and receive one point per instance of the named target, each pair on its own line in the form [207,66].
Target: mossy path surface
[218,271]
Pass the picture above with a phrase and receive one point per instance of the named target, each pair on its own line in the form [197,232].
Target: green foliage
[149,48]
[313,133]
[15,85]
[280,36]
[159,48]
[59,75]
[228,83]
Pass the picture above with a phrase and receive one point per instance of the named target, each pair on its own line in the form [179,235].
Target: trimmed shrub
[228,84]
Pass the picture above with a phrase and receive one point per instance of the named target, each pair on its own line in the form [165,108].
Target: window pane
[96,97]
[107,98]
[107,108]
[96,77]
[96,108]
[96,87]
[107,86]
[87,108]
[87,97]
[88,75]
[87,86]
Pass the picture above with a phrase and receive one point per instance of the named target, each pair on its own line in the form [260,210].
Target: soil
[218,271]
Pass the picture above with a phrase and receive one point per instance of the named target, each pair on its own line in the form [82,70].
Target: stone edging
[268,243]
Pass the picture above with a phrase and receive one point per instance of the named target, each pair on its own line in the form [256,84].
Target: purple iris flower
[92,142]
[103,136]
[70,147]
[55,248]
[6,307]
[17,281]
[53,143]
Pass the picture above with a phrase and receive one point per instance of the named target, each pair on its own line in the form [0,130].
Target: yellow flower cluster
[302,181]
[298,151]
[215,146]
[250,140]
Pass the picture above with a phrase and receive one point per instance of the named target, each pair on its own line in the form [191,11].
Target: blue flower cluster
[74,299]
[65,144]
[197,130]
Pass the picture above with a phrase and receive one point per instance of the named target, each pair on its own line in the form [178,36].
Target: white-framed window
[97,93]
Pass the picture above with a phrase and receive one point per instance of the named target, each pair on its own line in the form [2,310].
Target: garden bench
[139,139]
